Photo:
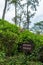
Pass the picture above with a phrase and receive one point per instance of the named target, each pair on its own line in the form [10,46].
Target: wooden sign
[26,48]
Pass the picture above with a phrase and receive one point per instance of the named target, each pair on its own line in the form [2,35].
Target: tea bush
[10,37]
[5,26]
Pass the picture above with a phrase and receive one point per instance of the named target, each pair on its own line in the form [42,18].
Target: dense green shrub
[18,60]
[26,36]
[40,54]
[9,41]
[6,26]
[8,37]
[11,36]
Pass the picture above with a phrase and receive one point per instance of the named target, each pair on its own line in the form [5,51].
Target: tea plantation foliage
[10,37]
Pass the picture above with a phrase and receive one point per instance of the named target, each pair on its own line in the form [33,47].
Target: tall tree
[15,13]
[4,11]
[31,5]
[38,28]
[28,19]
[16,3]
[5,7]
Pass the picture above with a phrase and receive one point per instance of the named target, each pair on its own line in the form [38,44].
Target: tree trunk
[20,21]
[4,11]
[15,13]
[27,17]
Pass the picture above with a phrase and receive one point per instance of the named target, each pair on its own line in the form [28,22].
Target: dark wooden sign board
[26,47]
